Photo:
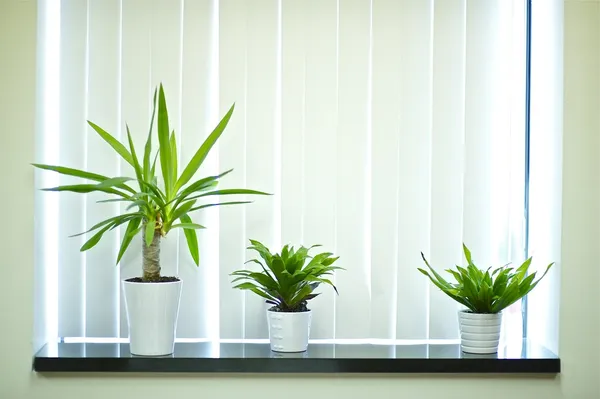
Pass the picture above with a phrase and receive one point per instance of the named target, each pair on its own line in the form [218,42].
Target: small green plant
[484,291]
[287,281]
[153,209]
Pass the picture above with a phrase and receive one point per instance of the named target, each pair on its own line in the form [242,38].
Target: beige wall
[580,301]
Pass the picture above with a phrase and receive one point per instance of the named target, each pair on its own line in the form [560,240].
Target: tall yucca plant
[153,210]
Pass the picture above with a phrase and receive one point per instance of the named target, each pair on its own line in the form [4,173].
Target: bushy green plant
[287,280]
[484,291]
[152,209]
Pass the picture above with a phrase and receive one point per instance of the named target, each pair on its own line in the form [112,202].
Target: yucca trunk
[151,257]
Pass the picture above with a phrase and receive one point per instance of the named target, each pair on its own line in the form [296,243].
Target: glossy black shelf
[207,357]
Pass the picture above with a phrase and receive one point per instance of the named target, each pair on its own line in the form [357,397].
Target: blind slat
[136,103]
[320,108]
[353,306]
[414,219]
[447,157]
[261,102]
[197,318]
[102,283]
[71,262]
[232,154]
[385,172]
[293,147]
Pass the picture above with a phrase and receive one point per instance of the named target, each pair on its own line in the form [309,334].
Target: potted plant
[154,209]
[287,281]
[484,294]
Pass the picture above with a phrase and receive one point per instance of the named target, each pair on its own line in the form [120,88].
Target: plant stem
[151,257]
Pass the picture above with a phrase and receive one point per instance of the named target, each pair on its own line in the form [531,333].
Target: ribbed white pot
[289,332]
[479,332]
[152,311]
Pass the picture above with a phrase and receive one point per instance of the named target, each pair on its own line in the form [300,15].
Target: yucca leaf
[141,204]
[233,191]
[114,182]
[114,200]
[86,188]
[104,222]
[173,145]
[193,226]
[166,163]
[148,172]
[89,244]
[183,209]
[200,155]
[113,142]
[159,196]
[130,232]
[149,232]
[71,172]
[192,239]
[196,208]
[136,164]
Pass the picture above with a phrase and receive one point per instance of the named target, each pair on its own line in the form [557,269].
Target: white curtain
[383,127]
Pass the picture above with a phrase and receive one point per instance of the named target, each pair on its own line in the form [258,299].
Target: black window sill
[205,357]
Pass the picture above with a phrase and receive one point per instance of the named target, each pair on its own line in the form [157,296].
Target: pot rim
[467,311]
[272,311]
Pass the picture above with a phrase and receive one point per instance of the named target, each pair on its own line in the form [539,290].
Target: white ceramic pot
[479,333]
[152,310]
[289,331]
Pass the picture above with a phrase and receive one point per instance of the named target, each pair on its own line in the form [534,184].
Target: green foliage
[485,291]
[159,207]
[287,280]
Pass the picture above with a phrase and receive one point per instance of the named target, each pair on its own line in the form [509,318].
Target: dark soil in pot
[161,279]
[298,309]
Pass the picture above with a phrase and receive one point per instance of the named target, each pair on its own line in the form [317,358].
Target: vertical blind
[383,127]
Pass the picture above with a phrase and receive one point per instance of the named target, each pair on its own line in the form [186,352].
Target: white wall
[579,317]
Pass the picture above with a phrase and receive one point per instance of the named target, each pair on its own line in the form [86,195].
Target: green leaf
[113,142]
[182,210]
[194,226]
[233,191]
[166,163]
[467,255]
[130,232]
[71,172]
[114,181]
[200,156]
[89,244]
[192,239]
[173,145]
[149,233]
[86,188]
[136,164]
[256,290]
[107,221]
[148,173]
[196,208]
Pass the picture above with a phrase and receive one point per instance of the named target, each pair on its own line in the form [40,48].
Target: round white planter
[289,332]
[152,310]
[479,333]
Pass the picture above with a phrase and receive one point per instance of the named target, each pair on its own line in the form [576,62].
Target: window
[384,128]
